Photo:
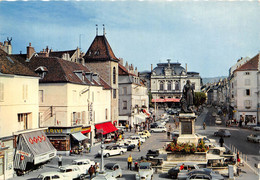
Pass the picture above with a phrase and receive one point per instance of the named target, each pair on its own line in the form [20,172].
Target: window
[114,75]
[247,104]
[1,91]
[83,115]
[41,96]
[193,85]
[124,90]
[114,93]
[248,92]
[161,85]
[25,91]
[177,88]
[24,117]
[124,104]
[169,85]
[106,113]
[247,73]
[247,82]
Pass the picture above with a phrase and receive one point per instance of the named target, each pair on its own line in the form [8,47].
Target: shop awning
[33,147]
[79,136]
[166,100]
[107,127]
[86,130]
[139,118]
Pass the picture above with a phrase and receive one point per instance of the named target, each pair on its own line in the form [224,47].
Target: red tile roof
[10,65]
[123,71]
[100,50]
[60,70]
[252,64]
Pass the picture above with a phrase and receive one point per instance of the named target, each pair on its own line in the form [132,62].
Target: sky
[210,36]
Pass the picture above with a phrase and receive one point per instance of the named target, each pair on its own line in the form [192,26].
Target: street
[157,141]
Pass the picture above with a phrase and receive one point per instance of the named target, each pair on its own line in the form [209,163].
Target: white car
[143,135]
[70,171]
[114,169]
[137,137]
[122,142]
[256,128]
[158,129]
[134,140]
[254,138]
[52,175]
[145,171]
[104,176]
[83,164]
[113,150]
[218,121]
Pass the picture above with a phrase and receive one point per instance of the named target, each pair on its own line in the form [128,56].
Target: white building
[244,88]
[133,96]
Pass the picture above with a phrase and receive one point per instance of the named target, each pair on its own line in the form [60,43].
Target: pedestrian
[129,162]
[59,160]
[130,127]
[182,167]
[139,145]
[221,141]
[175,141]
[91,171]
[96,167]
[126,126]
[238,159]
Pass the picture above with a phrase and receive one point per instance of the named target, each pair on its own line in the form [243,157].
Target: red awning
[86,130]
[166,100]
[107,127]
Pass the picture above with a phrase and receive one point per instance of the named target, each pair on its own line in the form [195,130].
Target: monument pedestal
[187,128]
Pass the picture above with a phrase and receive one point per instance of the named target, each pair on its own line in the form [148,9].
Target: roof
[176,67]
[251,65]
[60,53]
[100,50]
[59,70]
[123,71]
[9,64]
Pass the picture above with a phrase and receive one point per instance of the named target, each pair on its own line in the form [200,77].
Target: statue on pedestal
[187,98]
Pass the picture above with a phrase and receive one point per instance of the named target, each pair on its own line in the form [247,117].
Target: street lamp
[102,148]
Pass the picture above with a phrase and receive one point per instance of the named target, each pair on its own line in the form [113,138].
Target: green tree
[150,99]
[199,99]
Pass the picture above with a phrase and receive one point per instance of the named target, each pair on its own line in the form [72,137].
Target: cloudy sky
[208,36]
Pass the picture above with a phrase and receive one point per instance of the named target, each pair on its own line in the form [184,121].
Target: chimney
[121,61]
[151,67]
[186,67]
[30,51]
[126,66]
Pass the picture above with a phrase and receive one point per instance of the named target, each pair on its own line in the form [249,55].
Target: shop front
[66,140]
[106,128]
[33,149]
[6,157]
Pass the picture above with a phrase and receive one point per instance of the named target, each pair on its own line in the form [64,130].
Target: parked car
[135,139]
[218,121]
[175,172]
[130,147]
[256,128]
[223,133]
[254,138]
[200,136]
[70,171]
[104,176]
[147,132]
[113,150]
[145,171]
[83,164]
[158,129]
[204,173]
[114,169]
[121,142]
[152,153]
[143,135]
[161,122]
[52,175]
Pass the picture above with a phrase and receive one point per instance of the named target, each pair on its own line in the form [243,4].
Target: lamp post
[102,148]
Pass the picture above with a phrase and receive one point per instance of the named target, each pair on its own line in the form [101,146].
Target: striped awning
[33,147]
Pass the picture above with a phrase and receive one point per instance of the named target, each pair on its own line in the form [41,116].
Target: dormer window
[97,52]
[41,71]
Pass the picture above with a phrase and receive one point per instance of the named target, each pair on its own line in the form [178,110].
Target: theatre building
[167,81]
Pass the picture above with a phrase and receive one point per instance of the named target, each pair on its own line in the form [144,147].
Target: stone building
[167,81]
[101,59]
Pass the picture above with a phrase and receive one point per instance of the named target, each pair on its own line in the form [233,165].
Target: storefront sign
[76,129]
[37,139]
[53,131]
[23,153]
[63,131]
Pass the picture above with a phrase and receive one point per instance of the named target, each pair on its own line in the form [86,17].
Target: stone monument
[187,116]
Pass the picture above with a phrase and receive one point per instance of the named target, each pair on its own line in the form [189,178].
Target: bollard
[230,172]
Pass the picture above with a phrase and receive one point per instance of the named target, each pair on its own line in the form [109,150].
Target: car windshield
[144,167]
[108,167]
[108,147]
[40,176]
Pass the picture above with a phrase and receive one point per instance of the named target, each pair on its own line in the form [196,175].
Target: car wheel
[107,155]
[121,152]
[163,131]
[152,131]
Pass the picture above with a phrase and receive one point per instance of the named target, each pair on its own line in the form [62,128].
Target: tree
[199,99]
[150,99]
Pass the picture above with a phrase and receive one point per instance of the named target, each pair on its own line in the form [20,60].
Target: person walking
[139,145]
[126,126]
[238,159]
[130,127]
[129,162]
[96,167]
[221,141]
[91,171]
[59,160]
